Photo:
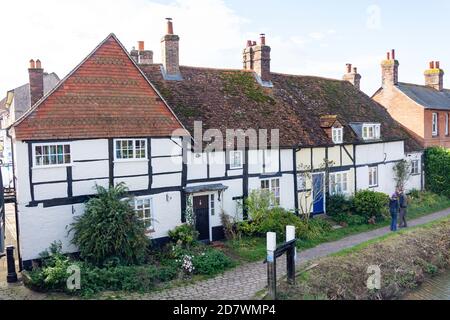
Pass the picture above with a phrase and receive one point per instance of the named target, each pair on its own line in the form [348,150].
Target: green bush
[211,262]
[276,220]
[312,229]
[53,275]
[370,204]
[185,235]
[338,205]
[437,170]
[110,229]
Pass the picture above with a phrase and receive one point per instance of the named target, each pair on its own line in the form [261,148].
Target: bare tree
[402,173]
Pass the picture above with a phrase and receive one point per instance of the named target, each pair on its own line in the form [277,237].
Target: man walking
[403,201]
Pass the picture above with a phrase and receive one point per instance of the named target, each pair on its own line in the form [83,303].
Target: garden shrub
[211,262]
[370,205]
[185,235]
[437,170]
[339,204]
[110,229]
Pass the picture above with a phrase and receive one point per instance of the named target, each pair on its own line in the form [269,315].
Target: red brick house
[423,109]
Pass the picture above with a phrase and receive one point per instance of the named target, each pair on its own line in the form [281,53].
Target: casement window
[212,204]
[52,155]
[338,183]
[373,176]
[338,135]
[371,131]
[446,125]
[236,160]
[273,186]
[130,149]
[434,125]
[415,167]
[144,210]
[301,182]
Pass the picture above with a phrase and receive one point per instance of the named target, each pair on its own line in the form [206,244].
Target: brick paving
[241,283]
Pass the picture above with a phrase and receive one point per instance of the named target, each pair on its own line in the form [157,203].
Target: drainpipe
[15,200]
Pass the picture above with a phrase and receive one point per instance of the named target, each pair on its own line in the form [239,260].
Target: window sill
[237,168]
[150,231]
[52,166]
[130,160]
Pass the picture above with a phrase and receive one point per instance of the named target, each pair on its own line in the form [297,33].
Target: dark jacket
[394,206]
[403,201]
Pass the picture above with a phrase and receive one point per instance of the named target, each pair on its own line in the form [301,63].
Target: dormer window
[371,131]
[338,135]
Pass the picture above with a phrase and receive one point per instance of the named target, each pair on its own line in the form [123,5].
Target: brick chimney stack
[170,53]
[256,57]
[36,75]
[144,56]
[389,69]
[434,76]
[352,76]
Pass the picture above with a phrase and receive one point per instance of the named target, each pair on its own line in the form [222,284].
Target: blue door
[318,193]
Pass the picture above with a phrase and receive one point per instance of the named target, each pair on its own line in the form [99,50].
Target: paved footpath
[243,282]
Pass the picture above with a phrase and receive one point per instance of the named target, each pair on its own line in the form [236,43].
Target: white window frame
[338,135]
[373,176]
[337,178]
[435,124]
[275,190]
[446,125]
[52,144]
[134,158]
[415,167]
[151,227]
[301,182]
[235,165]
[212,204]
[371,131]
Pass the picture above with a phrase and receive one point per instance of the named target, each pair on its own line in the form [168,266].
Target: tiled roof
[232,99]
[427,97]
[105,96]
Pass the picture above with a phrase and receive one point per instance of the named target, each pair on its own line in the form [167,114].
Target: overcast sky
[307,37]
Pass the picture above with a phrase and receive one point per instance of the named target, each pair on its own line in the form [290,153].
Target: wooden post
[290,255]
[272,265]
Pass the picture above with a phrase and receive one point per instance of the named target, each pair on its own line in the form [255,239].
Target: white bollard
[271,241]
[290,235]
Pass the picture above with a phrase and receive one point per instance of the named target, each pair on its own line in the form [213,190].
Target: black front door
[201,211]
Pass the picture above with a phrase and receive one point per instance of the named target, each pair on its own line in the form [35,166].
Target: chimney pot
[36,78]
[249,43]
[263,39]
[349,67]
[170,53]
[389,70]
[254,43]
[353,77]
[438,65]
[431,64]
[169,26]
[141,45]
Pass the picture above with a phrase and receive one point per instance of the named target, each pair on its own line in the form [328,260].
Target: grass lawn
[254,249]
